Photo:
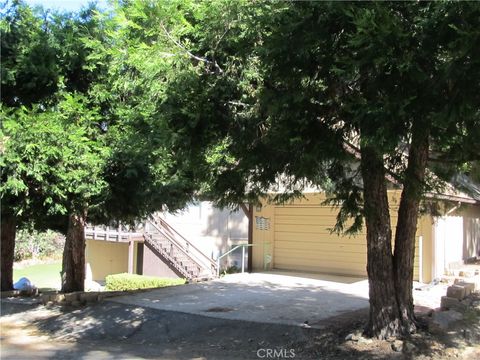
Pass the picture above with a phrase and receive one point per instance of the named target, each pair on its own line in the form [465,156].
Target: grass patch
[122,282]
[43,276]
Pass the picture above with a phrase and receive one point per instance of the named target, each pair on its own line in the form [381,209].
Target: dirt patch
[343,340]
[116,331]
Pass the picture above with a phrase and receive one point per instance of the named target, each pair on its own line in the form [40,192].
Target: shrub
[122,282]
[230,270]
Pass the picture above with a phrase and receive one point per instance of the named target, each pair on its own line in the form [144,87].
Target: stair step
[176,257]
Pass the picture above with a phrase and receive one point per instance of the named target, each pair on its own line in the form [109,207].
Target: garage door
[303,242]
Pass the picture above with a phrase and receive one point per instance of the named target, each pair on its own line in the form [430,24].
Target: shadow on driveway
[260,297]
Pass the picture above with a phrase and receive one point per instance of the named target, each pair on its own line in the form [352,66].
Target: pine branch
[186,51]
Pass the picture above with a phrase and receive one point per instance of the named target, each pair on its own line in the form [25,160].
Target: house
[186,244]
[297,237]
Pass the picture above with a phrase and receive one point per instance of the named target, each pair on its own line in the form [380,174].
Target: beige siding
[426,229]
[105,258]
[303,241]
[299,238]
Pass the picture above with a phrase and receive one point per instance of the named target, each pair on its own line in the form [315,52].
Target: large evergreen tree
[53,154]
[75,151]
[291,92]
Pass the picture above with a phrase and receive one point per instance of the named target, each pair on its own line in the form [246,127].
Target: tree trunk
[404,253]
[73,264]
[8,232]
[384,318]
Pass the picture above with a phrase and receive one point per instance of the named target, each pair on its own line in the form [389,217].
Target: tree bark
[73,264]
[384,318]
[404,253]
[8,233]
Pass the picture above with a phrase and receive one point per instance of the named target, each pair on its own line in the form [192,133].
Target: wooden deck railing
[155,231]
[110,233]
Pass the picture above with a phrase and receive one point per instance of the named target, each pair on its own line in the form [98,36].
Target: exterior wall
[296,236]
[212,230]
[263,238]
[154,266]
[457,238]
[105,258]
[471,226]
[425,228]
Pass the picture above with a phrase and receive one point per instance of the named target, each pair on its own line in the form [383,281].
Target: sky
[64,5]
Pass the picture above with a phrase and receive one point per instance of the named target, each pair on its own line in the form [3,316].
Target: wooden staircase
[177,251]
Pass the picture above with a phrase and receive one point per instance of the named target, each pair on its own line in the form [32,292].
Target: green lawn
[43,276]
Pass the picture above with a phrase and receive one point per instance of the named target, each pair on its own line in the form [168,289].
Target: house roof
[459,189]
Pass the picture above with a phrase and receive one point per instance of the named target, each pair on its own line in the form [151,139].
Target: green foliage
[28,57]
[230,100]
[52,160]
[230,270]
[304,85]
[38,245]
[123,282]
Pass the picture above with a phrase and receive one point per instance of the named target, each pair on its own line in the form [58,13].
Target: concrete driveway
[277,298]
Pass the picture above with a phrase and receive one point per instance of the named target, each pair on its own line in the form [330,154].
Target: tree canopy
[336,95]
[234,100]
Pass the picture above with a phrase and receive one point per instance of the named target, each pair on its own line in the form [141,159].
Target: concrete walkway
[277,298]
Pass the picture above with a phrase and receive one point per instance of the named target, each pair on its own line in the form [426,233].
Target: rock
[29,292]
[397,345]
[409,347]
[362,340]
[442,320]
[9,293]
[58,297]
[76,303]
[89,297]
[469,286]
[351,337]
[451,352]
[456,291]
[354,336]
[423,310]
[448,303]
[70,297]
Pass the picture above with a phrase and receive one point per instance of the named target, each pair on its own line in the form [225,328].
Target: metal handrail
[189,254]
[243,246]
[186,241]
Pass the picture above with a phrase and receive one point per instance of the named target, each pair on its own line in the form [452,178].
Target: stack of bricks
[456,294]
